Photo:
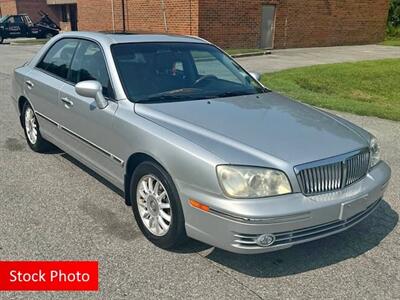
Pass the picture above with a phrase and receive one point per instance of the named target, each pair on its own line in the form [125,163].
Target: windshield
[3,18]
[159,72]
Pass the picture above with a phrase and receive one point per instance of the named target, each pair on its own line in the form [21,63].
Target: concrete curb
[267,52]
[25,44]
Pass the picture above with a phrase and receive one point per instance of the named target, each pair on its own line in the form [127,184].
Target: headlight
[375,152]
[252,182]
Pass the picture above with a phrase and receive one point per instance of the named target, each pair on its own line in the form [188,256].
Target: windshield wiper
[174,95]
[163,98]
[234,94]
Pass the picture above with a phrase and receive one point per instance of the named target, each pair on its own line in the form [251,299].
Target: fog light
[265,240]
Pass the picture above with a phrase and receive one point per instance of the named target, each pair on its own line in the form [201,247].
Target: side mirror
[92,89]
[255,75]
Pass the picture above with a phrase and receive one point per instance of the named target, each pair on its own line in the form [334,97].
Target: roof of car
[139,37]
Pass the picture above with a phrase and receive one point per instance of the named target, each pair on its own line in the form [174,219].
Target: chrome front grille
[356,167]
[332,174]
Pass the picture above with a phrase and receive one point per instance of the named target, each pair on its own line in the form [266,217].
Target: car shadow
[191,246]
[317,254]
[92,173]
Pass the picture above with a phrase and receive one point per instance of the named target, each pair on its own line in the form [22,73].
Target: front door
[88,129]
[267,26]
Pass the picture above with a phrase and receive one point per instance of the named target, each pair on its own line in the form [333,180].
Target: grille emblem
[265,240]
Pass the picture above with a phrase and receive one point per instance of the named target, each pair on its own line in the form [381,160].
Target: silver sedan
[199,146]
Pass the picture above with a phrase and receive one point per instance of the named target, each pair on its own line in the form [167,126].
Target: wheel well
[133,161]
[21,103]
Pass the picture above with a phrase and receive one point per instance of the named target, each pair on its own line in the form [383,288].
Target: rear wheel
[31,128]
[156,206]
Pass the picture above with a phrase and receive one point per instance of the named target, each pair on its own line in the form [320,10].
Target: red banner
[49,276]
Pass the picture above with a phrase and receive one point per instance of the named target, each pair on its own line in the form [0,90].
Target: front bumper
[235,224]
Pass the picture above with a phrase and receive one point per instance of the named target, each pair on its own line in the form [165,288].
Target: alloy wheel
[31,125]
[154,205]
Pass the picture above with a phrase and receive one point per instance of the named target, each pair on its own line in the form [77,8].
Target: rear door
[45,81]
[89,129]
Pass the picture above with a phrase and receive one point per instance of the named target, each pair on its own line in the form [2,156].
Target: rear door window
[58,59]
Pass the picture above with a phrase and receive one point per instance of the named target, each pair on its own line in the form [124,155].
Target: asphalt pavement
[54,208]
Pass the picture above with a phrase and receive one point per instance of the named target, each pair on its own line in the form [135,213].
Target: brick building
[245,23]
[238,23]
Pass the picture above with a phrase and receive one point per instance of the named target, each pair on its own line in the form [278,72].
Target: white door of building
[267,26]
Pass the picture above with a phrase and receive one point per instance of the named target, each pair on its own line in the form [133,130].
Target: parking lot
[54,208]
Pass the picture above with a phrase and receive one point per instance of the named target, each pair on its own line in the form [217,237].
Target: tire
[32,133]
[1,40]
[175,234]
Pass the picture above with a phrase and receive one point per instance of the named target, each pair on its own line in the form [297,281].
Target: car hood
[271,124]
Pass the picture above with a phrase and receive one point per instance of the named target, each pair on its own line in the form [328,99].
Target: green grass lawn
[370,88]
[391,42]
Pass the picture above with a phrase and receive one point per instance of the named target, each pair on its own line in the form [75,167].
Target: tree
[394,13]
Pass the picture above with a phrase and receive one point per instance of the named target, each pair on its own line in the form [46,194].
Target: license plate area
[350,208]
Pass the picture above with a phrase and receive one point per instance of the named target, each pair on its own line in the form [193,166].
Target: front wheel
[156,206]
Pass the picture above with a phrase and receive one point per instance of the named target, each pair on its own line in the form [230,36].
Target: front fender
[183,160]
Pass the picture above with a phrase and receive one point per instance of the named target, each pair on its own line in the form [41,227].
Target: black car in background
[16,26]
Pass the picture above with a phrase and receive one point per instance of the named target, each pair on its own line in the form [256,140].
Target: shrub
[394,13]
[392,32]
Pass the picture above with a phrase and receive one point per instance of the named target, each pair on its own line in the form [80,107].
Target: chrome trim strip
[120,161]
[328,227]
[271,220]
[47,118]
[105,152]
[86,141]
[385,185]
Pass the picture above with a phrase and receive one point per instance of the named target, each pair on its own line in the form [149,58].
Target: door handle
[29,84]
[68,103]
